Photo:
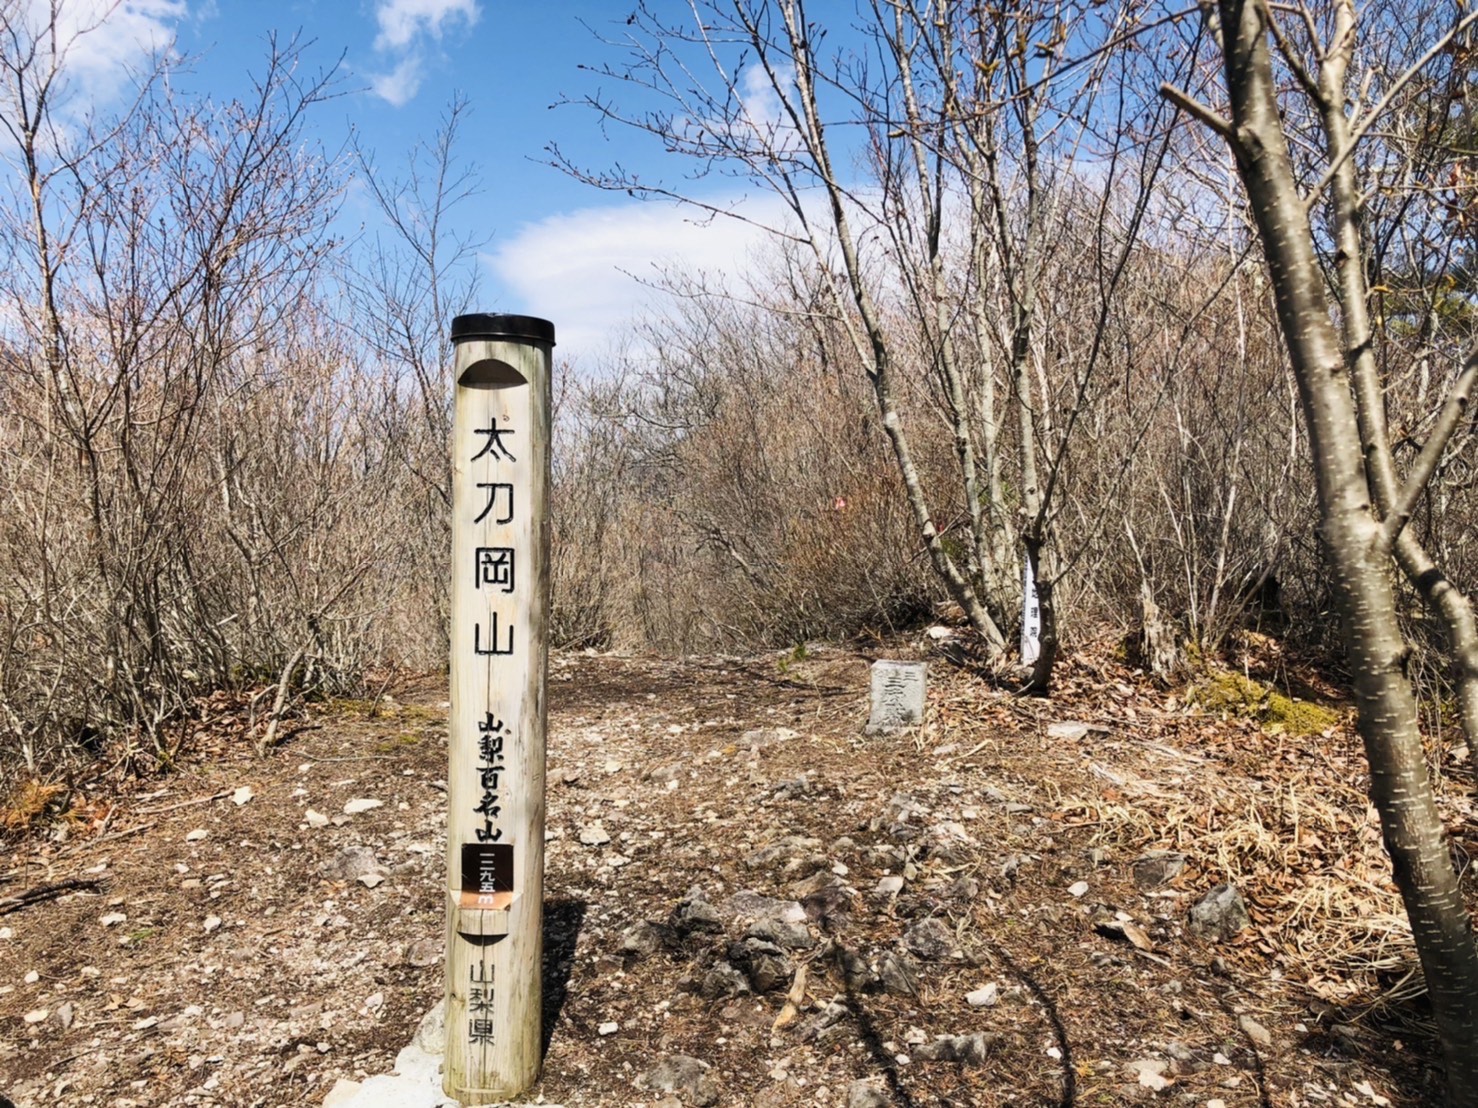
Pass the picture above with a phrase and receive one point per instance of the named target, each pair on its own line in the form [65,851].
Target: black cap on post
[481,325]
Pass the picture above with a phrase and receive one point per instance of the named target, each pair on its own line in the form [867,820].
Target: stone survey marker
[897,696]
[499,648]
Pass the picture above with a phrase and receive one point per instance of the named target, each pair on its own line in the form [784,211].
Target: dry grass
[28,804]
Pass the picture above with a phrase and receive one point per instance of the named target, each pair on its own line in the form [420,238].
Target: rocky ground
[749,902]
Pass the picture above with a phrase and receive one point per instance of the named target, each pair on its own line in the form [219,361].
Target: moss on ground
[1226,692]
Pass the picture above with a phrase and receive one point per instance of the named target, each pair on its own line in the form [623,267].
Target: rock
[211,923]
[964,888]
[318,819]
[763,963]
[931,940]
[342,1094]
[371,880]
[197,835]
[827,905]
[796,788]
[1149,1072]
[352,863]
[748,906]
[758,740]
[644,938]
[1078,888]
[66,1012]
[1157,868]
[985,997]
[889,886]
[822,879]
[242,795]
[1220,914]
[898,974]
[423,952]
[696,915]
[1255,1031]
[964,1050]
[723,980]
[857,975]
[897,820]
[667,775]
[37,1015]
[683,1075]
[788,849]
[610,1027]
[431,1032]
[789,936]
[594,834]
[866,1094]
[362,804]
[1068,730]
[113,918]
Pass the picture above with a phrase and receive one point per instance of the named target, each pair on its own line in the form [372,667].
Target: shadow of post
[562,922]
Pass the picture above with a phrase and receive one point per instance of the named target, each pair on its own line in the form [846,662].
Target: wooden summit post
[499,651]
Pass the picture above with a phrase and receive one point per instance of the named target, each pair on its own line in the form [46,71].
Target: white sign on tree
[499,649]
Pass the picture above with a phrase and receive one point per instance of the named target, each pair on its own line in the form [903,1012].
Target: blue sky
[557,248]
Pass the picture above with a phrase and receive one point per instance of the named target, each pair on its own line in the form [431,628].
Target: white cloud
[402,22]
[590,271]
[401,83]
[405,26]
[100,44]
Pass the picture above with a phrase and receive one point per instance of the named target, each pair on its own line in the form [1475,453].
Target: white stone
[608,1028]
[342,1094]
[211,923]
[362,804]
[594,834]
[315,819]
[113,918]
[1078,888]
[242,795]
[984,997]
[196,835]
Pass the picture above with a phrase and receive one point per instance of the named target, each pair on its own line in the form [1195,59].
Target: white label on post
[1031,616]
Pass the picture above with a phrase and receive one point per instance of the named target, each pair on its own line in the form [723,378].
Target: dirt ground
[220,949]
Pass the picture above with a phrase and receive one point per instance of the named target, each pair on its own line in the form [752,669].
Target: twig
[279,703]
[184,804]
[46,892]
[122,834]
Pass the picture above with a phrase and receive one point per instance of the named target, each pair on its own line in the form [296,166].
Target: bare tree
[409,282]
[153,254]
[933,249]
[1343,407]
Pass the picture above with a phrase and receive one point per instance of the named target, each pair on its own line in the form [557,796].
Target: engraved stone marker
[897,696]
